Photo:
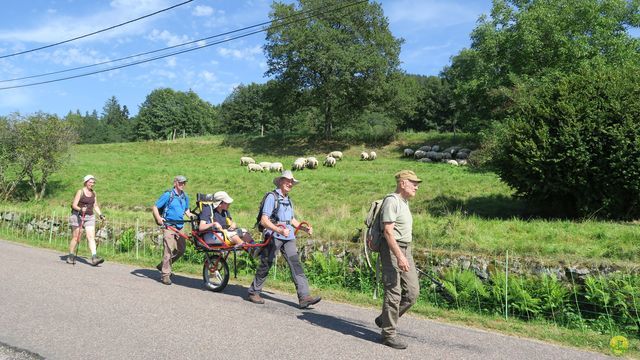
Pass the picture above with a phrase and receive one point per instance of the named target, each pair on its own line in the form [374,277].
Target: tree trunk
[328,121]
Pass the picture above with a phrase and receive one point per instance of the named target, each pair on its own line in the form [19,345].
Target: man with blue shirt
[172,206]
[279,220]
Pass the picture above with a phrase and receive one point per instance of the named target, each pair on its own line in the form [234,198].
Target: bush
[572,142]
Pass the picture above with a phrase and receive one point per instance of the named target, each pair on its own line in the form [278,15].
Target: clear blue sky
[433,31]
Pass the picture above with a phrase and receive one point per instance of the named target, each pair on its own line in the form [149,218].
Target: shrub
[572,141]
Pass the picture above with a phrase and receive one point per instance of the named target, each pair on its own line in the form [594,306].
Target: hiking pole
[439,285]
[75,256]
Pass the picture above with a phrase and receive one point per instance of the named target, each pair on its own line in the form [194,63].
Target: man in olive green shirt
[399,275]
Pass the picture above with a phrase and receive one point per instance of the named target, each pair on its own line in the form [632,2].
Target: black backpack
[274,213]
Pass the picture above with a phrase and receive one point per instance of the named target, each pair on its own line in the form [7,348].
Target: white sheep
[408,152]
[373,155]
[452,162]
[462,162]
[364,155]
[276,167]
[336,155]
[245,160]
[312,162]
[265,164]
[299,164]
[254,167]
[330,161]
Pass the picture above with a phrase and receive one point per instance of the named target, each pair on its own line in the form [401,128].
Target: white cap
[87,178]
[221,196]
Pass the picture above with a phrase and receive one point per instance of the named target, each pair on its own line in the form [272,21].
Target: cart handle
[295,233]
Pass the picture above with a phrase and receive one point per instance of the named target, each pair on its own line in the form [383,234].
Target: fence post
[53,216]
[506,287]
[136,237]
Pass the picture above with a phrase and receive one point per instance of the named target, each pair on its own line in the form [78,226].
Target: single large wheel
[215,273]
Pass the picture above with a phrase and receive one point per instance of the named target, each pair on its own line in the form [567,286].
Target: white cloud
[171,61]
[202,10]
[241,54]
[74,56]
[430,13]
[167,37]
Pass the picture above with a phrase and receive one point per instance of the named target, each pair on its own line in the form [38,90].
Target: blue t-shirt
[284,216]
[176,209]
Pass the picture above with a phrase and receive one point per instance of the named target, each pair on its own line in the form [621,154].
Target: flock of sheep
[299,164]
[454,155]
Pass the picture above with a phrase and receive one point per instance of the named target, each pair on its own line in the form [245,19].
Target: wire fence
[605,302]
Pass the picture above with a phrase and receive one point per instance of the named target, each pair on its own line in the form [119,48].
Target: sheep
[276,167]
[364,155]
[425,148]
[245,160]
[462,155]
[312,162]
[419,154]
[435,148]
[330,161]
[462,162]
[373,155]
[452,162]
[425,160]
[254,167]
[265,164]
[336,155]
[408,152]
[299,164]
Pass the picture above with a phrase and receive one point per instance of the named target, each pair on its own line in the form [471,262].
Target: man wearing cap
[278,220]
[399,275]
[219,219]
[175,205]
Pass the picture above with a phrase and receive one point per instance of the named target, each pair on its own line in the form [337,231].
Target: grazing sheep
[245,160]
[373,155]
[254,167]
[432,155]
[364,155]
[276,167]
[462,162]
[452,162]
[336,155]
[265,164]
[425,148]
[330,161]
[312,162]
[435,148]
[408,152]
[419,154]
[299,164]
[462,155]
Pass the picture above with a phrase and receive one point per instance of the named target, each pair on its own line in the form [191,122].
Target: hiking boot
[256,299]
[378,322]
[71,259]
[96,260]
[309,300]
[166,280]
[394,342]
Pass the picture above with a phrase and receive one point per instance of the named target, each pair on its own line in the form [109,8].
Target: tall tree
[341,58]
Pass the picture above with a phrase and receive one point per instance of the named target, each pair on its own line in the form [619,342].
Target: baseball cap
[407,175]
[87,178]
[180,178]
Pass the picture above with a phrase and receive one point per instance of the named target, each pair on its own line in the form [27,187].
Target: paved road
[114,311]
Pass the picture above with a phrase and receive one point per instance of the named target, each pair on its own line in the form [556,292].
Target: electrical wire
[182,51]
[95,32]
[165,48]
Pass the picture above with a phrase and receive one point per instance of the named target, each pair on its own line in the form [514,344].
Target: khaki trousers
[401,289]
[174,247]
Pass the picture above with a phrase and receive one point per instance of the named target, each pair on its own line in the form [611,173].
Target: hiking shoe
[394,342]
[309,300]
[71,259]
[256,299]
[166,280]
[96,260]
[378,322]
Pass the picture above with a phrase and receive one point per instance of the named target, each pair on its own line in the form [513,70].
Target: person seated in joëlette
[218,218]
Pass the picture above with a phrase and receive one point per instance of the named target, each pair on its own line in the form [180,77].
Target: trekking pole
[75,256]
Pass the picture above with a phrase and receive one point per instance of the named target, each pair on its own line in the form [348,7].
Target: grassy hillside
[456,208]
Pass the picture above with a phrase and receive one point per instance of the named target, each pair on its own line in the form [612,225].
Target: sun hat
[285,174]
[407,175]
[87,178]
[180,178]
[221,196]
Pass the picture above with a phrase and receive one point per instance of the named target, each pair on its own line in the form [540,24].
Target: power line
[159,50]
[95,32]
[188,50]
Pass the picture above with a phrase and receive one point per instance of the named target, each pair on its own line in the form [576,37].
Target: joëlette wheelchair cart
[215,270]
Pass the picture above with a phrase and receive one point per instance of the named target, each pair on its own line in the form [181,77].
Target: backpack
[274,213]
[374,234]
[203,200]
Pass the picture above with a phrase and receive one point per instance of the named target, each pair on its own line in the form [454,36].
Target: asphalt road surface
[58,311]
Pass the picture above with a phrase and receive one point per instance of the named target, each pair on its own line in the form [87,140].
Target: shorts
[75,220]
[231,233]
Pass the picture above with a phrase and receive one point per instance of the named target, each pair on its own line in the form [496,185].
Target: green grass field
[457,209]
